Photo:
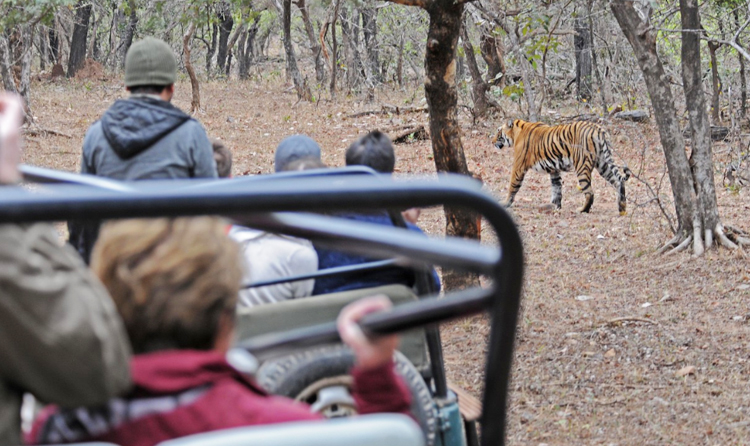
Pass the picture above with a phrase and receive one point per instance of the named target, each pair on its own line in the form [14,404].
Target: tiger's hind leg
[556,181]
[609,172]
[584,185]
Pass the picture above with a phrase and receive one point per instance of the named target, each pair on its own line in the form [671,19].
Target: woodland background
[620,341]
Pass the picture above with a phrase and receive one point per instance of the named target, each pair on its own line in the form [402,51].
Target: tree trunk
[226,22]
[594,64]
[492,53]
[211,50]
[334,46]
[715,83]
[479,86]
[195,102]
[80,35]
[701,161]
[442,101]
[642,38]
[370,31]
[320,68]
[743,79]
[6,66]
[400,62]
[245,52]
[129,31]
[303,92]
[54,46]
[355,68]
[24,88]
[239,32]
[582,43]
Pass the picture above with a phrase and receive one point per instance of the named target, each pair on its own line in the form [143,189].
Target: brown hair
[307,163]
[223,158]
[172,280]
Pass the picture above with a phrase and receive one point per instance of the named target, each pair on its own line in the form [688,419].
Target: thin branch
[420,3]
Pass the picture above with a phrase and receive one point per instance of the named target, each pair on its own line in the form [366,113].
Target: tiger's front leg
[516,179]
[556,181]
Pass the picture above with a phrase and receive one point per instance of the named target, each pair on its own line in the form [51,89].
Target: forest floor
[616,344]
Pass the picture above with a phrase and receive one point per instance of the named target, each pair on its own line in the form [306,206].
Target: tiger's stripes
[580,146]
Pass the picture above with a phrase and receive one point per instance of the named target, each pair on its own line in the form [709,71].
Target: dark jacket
[61,338]
[141,138]
[185,392]
[388,276]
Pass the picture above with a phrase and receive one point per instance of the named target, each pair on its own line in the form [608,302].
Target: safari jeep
[293,346]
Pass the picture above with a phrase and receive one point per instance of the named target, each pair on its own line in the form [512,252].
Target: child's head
[223,158]
[174,281]
[373,150]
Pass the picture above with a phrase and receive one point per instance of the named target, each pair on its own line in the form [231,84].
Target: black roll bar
[505,265]
[346,270]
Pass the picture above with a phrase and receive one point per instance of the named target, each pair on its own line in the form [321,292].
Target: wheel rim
[330,397]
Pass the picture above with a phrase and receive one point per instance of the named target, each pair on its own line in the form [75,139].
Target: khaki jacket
[61,338]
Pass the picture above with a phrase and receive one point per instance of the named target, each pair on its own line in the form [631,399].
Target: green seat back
[297,313]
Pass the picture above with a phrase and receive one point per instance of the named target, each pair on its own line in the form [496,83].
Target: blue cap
[293,148]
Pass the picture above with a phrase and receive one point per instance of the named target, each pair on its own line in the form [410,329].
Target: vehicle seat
[365,430]
[308,311]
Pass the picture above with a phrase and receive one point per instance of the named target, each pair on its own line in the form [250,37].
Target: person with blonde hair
[175,283]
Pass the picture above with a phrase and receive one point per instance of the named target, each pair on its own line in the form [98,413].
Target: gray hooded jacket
[144,138]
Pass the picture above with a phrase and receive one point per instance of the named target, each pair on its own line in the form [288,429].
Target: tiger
[579,145]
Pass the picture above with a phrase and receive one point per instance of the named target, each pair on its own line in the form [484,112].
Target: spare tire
[320,378]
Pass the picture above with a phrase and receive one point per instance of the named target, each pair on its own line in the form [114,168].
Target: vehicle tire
[318,376]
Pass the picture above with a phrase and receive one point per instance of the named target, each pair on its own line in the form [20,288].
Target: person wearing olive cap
[144,136]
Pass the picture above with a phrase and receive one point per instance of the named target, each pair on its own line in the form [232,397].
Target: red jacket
[184,392]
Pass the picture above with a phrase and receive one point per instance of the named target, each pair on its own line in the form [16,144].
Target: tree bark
[320,68]
[211,50]
[743,78]
[6,66]
[24,88]
[370,31]
[226,22]
[355,68]
[195,102]
[715,83]
[446,19]
[701,160]
[479,86]
[594,63]
[245,50]
[582,43]
[492,53]
[80,35]
[129,31]
[334,46]
[232,41]
[642,38]
[303,92]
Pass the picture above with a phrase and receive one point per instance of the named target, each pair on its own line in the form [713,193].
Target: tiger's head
[504,136]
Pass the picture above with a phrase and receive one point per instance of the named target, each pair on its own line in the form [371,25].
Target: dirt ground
[616,345]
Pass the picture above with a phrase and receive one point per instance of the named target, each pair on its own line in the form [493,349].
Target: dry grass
[579,379]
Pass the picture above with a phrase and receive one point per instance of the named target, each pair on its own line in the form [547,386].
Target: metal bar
[347,270]
[375,240]
[43,175]
[400,318]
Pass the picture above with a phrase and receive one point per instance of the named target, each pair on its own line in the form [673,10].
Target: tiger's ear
[510,124]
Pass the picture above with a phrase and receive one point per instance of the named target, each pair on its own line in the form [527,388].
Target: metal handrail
[505,266]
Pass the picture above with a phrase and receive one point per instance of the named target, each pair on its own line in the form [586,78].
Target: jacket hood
[135,124]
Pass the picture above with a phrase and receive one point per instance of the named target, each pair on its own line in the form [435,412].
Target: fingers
[370,353]
[352,313]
